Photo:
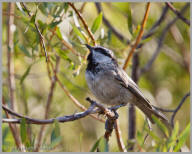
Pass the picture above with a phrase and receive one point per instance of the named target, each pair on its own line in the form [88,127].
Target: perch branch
[91,110]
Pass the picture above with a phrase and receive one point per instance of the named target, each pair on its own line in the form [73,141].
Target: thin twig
[119,138]
[178,107]
[84,22]
[174,111]
[39,32]
[138,37]
[178,13]
[49,100]
[160,42]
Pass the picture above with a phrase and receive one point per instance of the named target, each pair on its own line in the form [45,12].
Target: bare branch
[178,107]
[160,41]
[39,32]
[178,13]
[48,121]
[91,110]
[174,111]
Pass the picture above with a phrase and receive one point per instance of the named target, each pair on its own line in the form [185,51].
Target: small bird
[112,86]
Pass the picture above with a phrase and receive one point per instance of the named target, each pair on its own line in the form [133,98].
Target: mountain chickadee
[112,86]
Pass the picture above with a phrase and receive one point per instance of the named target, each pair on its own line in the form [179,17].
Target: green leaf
[58,32]
[175,131]
[43,9]
[96,144]
[136,31]
[103,145]
[20,7]
[140,138]
[129,20]
[97,22]
[56,131]
[172,140]
[32,20]
[24,50]
[182,138]
[155,137]
[77,31]
[55,135]
[23,130]
[53,24]
[162,126]
[25,74]
[56,141]
[42,25]
[65,6]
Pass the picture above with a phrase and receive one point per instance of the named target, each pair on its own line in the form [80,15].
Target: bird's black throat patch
[92,65]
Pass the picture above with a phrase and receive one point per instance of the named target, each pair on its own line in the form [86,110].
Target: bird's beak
[89,47]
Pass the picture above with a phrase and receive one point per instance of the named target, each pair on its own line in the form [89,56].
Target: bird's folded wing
[128,83]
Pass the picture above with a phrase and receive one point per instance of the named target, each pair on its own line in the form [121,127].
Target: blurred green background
[165,84]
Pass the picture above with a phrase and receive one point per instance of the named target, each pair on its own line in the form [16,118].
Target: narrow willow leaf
[182,138]
[172,139]
[94,147]
[155,137]
[23,130]
[53,24]
[56,131]
[65,6]
[162,127]
[20,7]
[175,131]
[32,20]
[129,20]
[25,74]
[24,50]
[77,31]
[58,32]
[103,145]
[140,138]
[97,22]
